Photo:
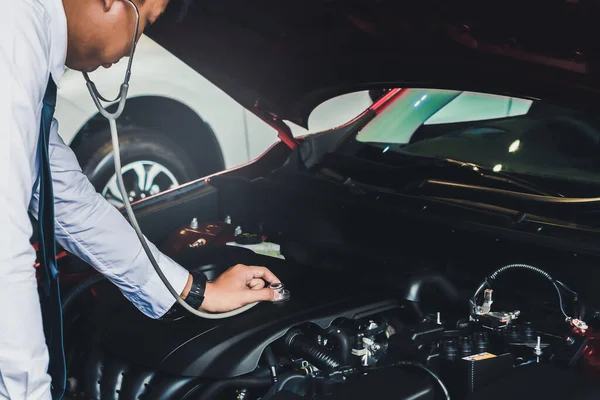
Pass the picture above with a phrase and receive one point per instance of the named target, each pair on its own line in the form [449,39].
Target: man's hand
[238,286]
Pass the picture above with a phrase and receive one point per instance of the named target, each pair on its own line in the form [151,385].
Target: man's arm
[90,227]
[94,230]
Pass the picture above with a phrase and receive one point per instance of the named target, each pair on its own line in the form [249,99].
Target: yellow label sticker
[480,356]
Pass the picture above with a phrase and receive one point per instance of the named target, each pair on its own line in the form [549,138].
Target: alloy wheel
[142,179]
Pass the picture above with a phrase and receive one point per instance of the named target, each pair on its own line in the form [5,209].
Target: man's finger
[256,283]
[262,272]
[265,294]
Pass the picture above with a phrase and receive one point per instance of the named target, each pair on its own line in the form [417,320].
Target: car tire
[139,148]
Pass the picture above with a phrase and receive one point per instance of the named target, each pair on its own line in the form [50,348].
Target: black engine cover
[390,383]
[230,347]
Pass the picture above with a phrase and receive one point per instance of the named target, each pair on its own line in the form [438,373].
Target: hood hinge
[284,133]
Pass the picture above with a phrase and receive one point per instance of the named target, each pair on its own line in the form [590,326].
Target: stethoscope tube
[122,96]
[112,119]
[103,111]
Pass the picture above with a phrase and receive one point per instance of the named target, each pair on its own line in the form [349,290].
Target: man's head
[100,32]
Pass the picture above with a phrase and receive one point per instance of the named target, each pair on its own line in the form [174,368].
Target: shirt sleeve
[23,76]
[91,228]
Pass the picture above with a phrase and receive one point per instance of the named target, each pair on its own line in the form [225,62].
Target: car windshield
[528,139]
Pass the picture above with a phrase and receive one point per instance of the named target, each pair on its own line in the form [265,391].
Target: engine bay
[330,340]
[385,325]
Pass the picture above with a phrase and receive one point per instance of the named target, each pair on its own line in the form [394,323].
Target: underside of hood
[286,57]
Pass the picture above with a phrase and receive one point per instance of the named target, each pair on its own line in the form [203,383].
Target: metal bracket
[283,130]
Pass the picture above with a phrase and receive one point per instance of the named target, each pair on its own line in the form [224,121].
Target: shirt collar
[58,38]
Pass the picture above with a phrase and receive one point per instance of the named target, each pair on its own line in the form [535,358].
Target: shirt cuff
[155,297]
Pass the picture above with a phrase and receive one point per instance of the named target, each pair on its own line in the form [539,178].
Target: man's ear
[107,4]
[115,7]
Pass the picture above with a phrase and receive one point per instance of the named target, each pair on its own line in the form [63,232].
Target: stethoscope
[112,120]
[122,96]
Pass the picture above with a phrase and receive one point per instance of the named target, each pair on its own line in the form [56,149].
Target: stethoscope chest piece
[282,293]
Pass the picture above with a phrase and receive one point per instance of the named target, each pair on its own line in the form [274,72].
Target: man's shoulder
[25,39]
[34,8]
[30,13]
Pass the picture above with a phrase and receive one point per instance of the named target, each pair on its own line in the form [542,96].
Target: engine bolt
[569,340]
[538,348]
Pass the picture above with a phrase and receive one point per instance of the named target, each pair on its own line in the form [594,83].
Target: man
[37,39]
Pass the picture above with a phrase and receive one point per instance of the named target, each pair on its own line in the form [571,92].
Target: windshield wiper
[478,197]
[527,203]
[535,198]
[413,170]
[499,177]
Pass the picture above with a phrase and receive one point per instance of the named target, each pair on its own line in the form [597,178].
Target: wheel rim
[142,179]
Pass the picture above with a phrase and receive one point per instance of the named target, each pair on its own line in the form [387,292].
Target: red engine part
[204,234]
[591,353]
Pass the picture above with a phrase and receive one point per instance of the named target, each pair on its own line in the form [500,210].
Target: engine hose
[343,341]
[271,362]
[539,271]
[433,279]
[300,346]
[418,282]
[270,356]
[285,379]
[79,289]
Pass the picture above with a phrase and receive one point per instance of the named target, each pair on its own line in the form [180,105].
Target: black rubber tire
[135,144]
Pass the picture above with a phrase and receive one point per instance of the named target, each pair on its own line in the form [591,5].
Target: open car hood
[287,57]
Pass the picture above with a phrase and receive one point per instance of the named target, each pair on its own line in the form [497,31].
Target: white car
[176,126]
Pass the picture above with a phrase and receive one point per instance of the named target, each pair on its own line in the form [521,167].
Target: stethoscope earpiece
[122,96]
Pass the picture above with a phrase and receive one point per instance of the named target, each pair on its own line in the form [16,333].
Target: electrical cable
[568,289]
[560,301]
[112,120]
[578,306]
[539,271]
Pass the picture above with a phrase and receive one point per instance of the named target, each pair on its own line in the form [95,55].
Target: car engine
[333,338]
[384,302]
